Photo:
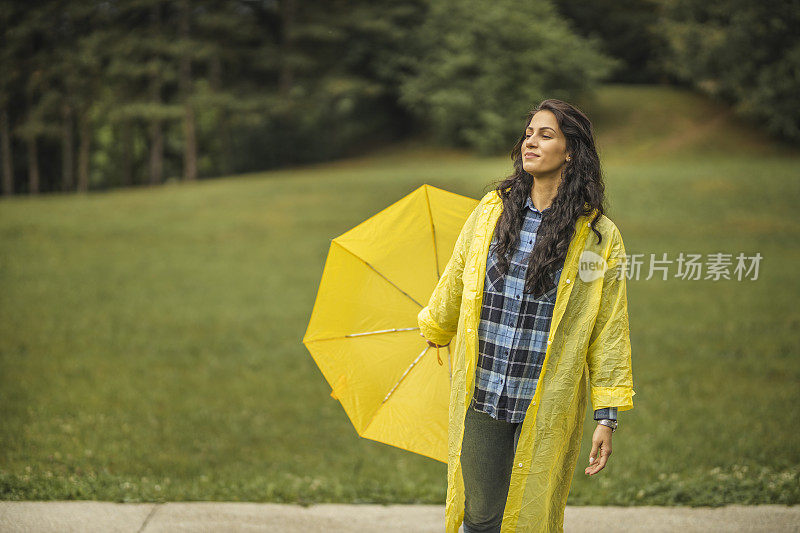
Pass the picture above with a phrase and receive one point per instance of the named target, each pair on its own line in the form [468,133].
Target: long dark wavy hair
[580,192]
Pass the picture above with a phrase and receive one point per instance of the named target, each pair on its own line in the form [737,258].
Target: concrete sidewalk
[89,516]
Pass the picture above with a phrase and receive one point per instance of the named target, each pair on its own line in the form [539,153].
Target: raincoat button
[469,330]
[520,465]
[548,342]
[534,403]
[567,280]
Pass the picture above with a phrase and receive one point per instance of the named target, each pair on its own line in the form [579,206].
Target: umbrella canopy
[363,331]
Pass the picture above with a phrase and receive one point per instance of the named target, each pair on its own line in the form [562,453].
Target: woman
[535,296]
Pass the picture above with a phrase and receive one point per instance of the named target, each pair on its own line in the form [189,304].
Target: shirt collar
[529,205]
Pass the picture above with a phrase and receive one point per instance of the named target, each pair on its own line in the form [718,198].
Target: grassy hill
[150,339]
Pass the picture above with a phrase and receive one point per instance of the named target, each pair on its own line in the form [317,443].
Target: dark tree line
[101,94]
[119,93]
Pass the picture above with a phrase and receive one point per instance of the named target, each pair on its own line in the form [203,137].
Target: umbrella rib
[366,333]
[381,275]
[433,234]
[380,331]
[405,374]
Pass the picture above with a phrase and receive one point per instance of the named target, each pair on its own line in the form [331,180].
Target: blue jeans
[487,456]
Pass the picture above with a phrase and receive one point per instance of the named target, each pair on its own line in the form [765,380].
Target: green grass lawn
[150,339]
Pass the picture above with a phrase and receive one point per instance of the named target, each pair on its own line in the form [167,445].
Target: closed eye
[529,134]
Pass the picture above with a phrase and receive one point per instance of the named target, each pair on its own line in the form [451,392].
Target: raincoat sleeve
[609,352]
[438,321]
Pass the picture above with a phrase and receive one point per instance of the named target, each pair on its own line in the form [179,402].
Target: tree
[745,53]
[480,66]
[12,45]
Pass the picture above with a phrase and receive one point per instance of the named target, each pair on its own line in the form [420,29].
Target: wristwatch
[610,423]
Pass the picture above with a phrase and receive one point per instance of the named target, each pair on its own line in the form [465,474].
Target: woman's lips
[530,155]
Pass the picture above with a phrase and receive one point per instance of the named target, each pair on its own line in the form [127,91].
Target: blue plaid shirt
[512,332]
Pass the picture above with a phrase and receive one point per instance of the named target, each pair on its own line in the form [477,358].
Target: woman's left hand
[601,443]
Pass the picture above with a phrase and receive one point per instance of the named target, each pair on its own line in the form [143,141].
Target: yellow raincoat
[588,341]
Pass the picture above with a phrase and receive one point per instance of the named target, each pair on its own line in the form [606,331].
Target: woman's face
[544,150]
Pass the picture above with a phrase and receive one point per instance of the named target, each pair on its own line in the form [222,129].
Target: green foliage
[741,51]
[342,112]
[112,83]
[626,30]
[480,66]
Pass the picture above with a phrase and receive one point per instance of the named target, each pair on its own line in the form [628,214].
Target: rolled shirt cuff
[608,413]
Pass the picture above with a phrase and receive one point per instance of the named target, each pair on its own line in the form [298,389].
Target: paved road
[89,516]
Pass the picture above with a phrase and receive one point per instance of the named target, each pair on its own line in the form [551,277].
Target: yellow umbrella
[363,331]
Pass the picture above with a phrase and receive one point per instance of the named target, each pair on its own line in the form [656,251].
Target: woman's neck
[543,191]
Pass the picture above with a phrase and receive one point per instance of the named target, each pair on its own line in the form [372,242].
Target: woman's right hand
[432,345]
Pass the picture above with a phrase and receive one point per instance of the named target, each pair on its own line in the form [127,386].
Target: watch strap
[610,423]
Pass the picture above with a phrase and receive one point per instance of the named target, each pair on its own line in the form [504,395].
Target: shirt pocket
[494,278]
[550,295]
